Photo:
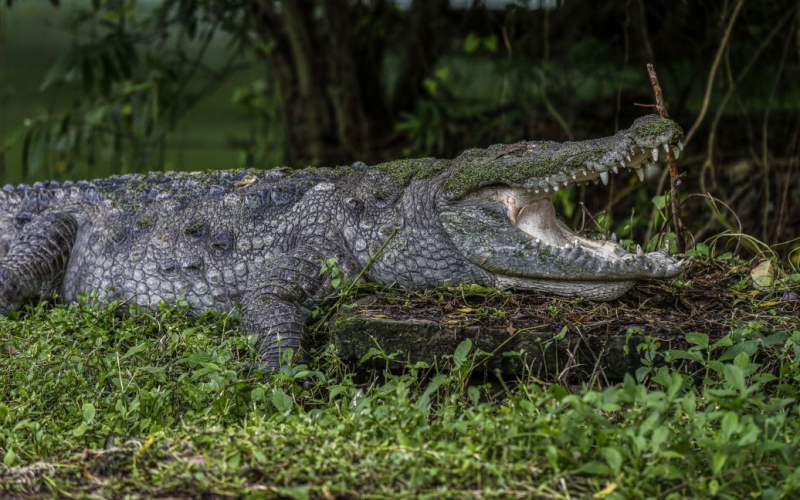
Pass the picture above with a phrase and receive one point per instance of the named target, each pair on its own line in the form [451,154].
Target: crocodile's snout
[509,226]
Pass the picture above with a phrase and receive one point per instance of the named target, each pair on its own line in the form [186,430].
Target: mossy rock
[546,353]
[566,340]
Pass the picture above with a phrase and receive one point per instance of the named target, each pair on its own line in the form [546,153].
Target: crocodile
[254,241]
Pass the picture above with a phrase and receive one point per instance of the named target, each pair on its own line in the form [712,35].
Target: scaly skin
[256,238]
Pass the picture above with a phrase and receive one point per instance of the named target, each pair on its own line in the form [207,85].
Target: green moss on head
[483,170]
[195,229]
[524,164]
[144,222]
[401,172]
[656,128]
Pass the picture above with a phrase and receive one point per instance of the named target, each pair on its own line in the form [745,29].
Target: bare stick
[673,166]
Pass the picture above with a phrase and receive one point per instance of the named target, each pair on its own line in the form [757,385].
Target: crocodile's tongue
[539,220]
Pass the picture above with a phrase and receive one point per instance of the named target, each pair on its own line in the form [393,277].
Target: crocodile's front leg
[34,264]
[272,311]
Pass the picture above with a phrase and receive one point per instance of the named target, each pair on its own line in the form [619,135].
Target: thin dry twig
[673,166]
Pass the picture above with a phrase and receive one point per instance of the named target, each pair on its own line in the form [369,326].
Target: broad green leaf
[425,400]
[741,360]
[9,457]
[491,43]
[257,394]
[595,468]
[725,341]
[462,351]
[88,412]
[730,423]
[734,376]
[718,462]
[135,350]
[750,347]
[474,394]
[613,458]
[472,43]
[698,339]
[281,401]
[679,354]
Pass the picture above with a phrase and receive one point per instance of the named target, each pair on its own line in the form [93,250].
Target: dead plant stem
[680,236]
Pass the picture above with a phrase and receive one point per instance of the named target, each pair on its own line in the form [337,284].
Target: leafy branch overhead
[326,82]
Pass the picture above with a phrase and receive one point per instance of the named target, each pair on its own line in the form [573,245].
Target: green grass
[99,403]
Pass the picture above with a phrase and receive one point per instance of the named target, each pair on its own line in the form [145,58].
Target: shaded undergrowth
[99,403]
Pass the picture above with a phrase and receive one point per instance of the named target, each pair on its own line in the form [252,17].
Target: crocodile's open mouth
[537,249]
[532,211]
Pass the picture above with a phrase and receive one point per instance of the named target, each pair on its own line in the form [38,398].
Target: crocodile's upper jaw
[513,231]
[532,211]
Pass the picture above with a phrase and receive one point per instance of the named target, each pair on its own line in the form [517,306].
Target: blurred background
[90,88]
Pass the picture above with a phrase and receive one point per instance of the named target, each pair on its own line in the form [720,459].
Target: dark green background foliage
[157,403]
[91,88]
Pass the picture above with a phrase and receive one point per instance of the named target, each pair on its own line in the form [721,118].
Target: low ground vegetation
[112,400]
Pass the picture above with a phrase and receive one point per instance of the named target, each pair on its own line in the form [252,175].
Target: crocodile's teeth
[614,169]
[680,145]
[584,173]
[628,157]
[546,189]
[676,153]
[555,188]
[565,183]
[666,247]
[640,174]
[655,154]
[595,181]
[574,176]
[604,177]
[614,237]
[666,147]
[622,164]
[639,250]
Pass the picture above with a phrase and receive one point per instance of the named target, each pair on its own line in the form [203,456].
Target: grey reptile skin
[256,238]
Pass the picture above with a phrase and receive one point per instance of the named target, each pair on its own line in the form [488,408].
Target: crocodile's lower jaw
[593,290]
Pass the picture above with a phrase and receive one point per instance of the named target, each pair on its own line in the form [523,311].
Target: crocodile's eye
[222,241]
[354,204]
[281,196]
[23,218]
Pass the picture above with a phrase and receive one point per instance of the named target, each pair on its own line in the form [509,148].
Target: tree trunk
[327,59]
